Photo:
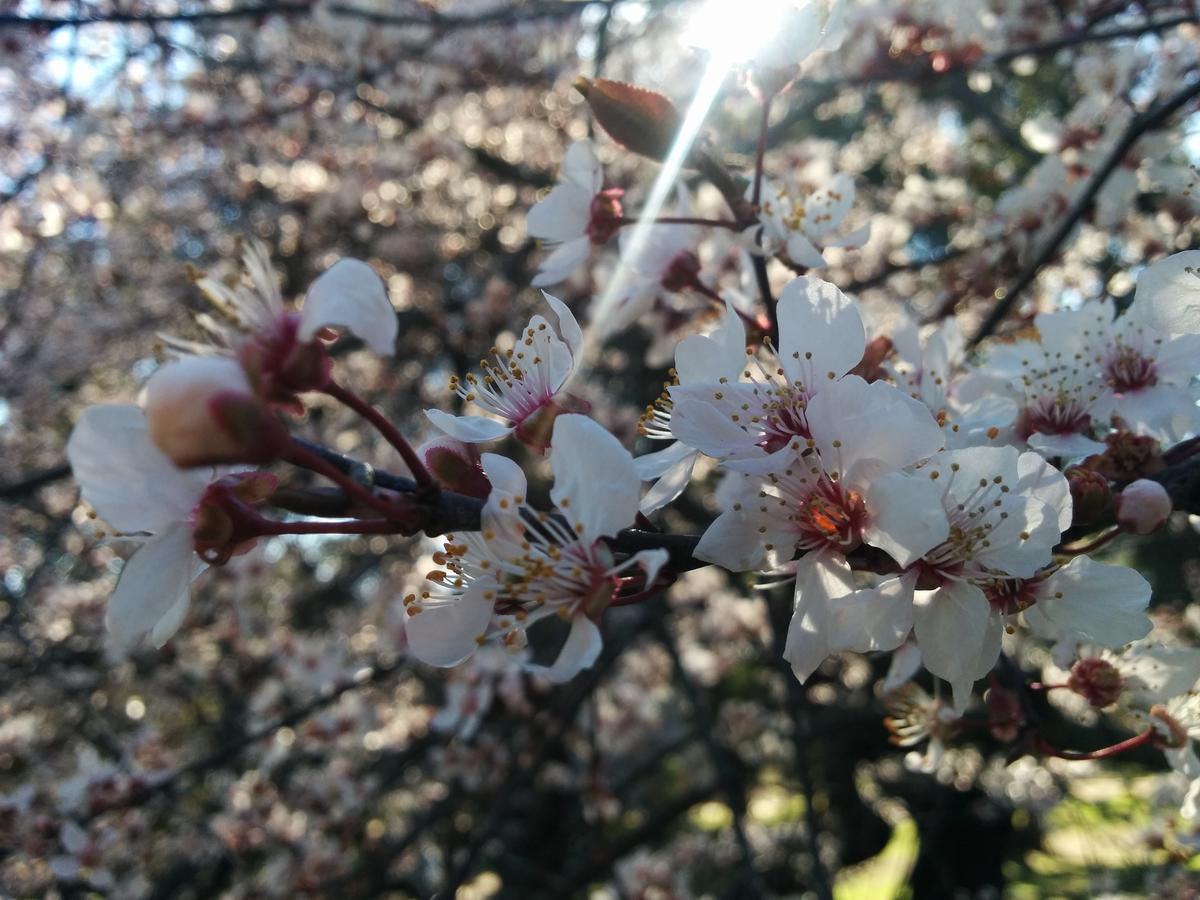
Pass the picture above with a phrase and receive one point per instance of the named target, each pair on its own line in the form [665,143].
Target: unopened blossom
[281,350]
[1143,507]
[802,221]
[140,493]
[1005,511]
[516,385]
[575,216]
[822,504]
[1168,293]
[526,565]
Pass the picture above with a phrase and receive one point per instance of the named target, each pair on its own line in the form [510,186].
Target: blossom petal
[821,579]
[351,295]
[581,167]
[959,635]
[1065,445]
[877,618]
[671,483]
[803,252]
[446,633]
[504,474]
[130,482]
[579,652]
[595,482]
[1168,294]
[1037,477]
[561,215]
[1096,603]
[152,594]
[906,516]
[470,429]
[821,333]
[719,354]
[568,327]
[733,542]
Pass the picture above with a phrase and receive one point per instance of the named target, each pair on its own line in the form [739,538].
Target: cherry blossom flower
[348,294]
[139,492]
[750,410]
[801,223]
[517,384]
[822,504]
[575,216]
[527,565]
[1005,511]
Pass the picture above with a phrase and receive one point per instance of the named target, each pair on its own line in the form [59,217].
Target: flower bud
[1096,680]
[201,410]
[1091,497]
[1143,507]
[1127,457]
[456,466]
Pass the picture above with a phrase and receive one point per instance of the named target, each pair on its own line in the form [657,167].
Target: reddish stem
[1132,743]
[761,151]
[389,431]
[1093,545]
[305,458]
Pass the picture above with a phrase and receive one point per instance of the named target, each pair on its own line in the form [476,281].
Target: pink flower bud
[201,410]
[1143,507]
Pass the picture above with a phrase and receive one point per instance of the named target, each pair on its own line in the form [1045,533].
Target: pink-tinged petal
[595,482]
[568,327]
[469,429]
[1168,294]
[1096,603]
[877,618]
[802,252]
[581,167]
[1023,543]
[650,562]
[959,636]
[670,484]
[1038,478]
[696,423]
[822,581]
[829,205]
[504,474]
[711,357]
[129,481]
[907,519]
[152,593]
[821,333]
[581,650]
[445,634]
[350,295]
[654,465]
[563,261]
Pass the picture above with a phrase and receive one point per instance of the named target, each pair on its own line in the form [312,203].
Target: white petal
[959,636]
[650,562]
[568,328]
[697,423]
[855,238]
[563,261]
[561,215]
[1037,477]
[595,482]
[581,167]
[654,465]
[1099,603]
[671,484]
[152,594]
[907,518]
[823,327]
[1168,293]
[351,295]
[906,662]
[470,429]
[874,618]
[1065,445]
[719,354]
[802,252]
[821,580]
[580,651]
[129,481]
[733,542]
[445,634]
[504,474]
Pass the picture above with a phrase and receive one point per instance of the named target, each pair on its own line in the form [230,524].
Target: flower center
[605,216]
[1130,371]
[1057,414]
[1009,596]
[831,516]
